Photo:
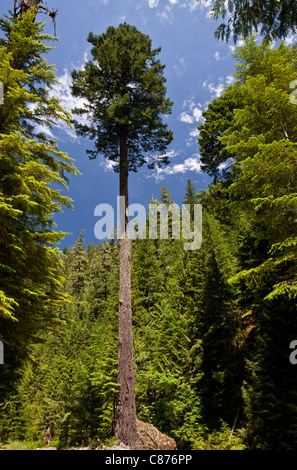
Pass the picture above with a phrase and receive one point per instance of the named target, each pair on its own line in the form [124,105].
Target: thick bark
[125,416]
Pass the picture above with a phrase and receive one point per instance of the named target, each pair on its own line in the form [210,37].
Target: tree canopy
[274,19]
[124,88]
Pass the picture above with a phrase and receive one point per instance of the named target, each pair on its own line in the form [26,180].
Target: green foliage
[32,173]
[221,439]
[260,203]
[123,86]
[274,19]
[217,119]
[69,380]
[190,195]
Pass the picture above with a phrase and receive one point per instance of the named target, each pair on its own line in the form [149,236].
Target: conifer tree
[76,271]
[102,278]
[31,268]
[275,19]
[260,204]
[191,198]
[125,98]
[190,195]
[165,196]
[217,119]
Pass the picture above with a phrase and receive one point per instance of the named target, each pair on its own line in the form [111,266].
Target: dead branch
[22,6]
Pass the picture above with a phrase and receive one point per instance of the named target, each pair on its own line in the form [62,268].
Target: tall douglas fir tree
[123,86]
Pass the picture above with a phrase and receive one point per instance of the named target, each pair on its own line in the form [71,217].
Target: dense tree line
[184,375]
[210,355]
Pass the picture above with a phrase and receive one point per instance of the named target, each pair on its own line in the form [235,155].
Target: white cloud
[166,15]
[170,154]
[192,4]
[292,39]
[215,91]
[62,92]
[184,117]
[43,129]
[153,3]
[205,4]
[197,114]
[190,104]
[179,68]
[222,166]
[240,43]
[108,165]
[193,113]
[194,132]
[190,164]
[217,55]
[230,79]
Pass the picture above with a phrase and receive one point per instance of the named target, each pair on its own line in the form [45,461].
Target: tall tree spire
[125,94]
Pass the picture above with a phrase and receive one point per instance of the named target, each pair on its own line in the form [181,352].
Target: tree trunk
[22,6]
[125,415]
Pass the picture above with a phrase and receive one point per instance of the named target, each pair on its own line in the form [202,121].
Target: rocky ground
[149,438]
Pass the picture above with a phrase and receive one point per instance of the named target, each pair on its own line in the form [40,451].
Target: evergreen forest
[214,329]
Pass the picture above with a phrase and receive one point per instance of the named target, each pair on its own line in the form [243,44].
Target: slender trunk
[125,416]
[283,128]
[234,424]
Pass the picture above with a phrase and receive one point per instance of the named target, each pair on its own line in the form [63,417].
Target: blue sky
[197,66]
